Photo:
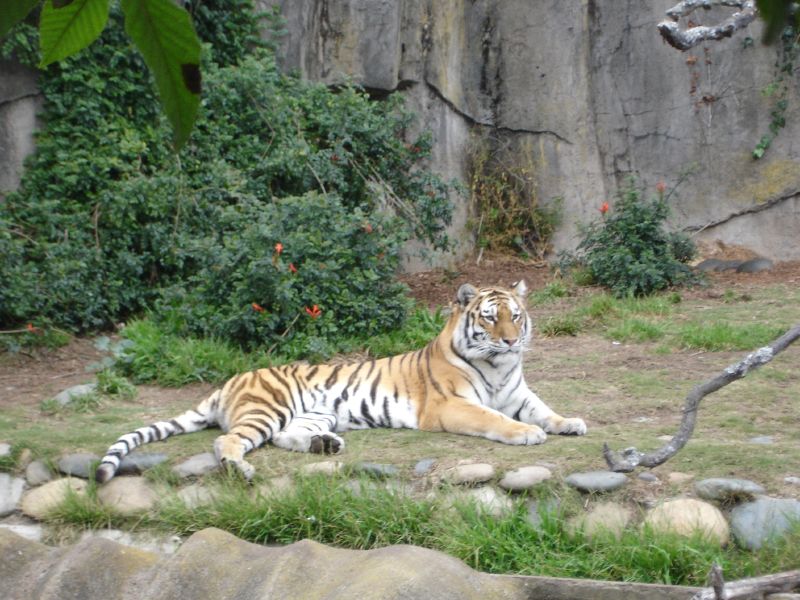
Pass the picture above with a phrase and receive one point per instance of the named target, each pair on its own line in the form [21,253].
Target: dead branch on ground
[753,587]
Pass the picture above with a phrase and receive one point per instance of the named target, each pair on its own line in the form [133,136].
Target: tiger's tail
[205,415]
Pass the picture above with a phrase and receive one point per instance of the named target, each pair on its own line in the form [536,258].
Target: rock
[727,490]
[688,517]
[24,459]
[424,466]
[10,493]
[791,480]
[755,265]
[39,501]
[76,391]
[647,476]
[78,465]
[5,449]
[764,440]
[375,469]
[138,462]
[596,481]
[469,474]
[275,485]
[605,519]
[196,466]
[33,532]
[212,564]
[679,478]
[143,541]
[196,495]
[524,478]
[127,495]
[38,473]
[489,500]
[757,523]
[716,265]
[328,467]
[539,510]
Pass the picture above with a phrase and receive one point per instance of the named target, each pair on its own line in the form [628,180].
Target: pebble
[128,495]
[596,481]
[196,465]
[764,440]
[469,474]
[647,476]
[78,464]
[727,490]
[604,519]
[38,473]
[328,467]
[688,517]
[378,470]
[424,466]
[76,391]
[10,493]
[524,478]
[756,523]
[39,501]
[138,462]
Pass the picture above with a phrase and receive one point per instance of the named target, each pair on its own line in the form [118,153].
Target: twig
[630,458]
[754,587]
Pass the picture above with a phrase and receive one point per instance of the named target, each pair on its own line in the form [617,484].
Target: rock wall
[586,92]
[20,100]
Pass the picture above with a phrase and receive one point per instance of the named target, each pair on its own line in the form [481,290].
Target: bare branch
[630,458]
[683,39]
[754,587]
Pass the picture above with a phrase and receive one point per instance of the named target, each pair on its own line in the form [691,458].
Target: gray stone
[41,500]
[757,523]
[727,490]
[524,478]
[688,517]
[76,391]
[196,495]
[5,449]
[424,466]
[326,467]
[597,481]
[604,519]
[539,510]
[38,473]
[716,265]
[469,474]
[128,495]
[78,464]
[33,532]
[197,465]
[138,462]
[755,265]
[791,480]
[10,493]
[647,476]
[375,469]
[764,440]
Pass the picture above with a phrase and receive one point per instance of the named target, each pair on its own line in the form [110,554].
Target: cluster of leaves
[507,213]
[629,251]
[109,221]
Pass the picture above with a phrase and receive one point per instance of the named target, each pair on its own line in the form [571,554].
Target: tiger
[468,380]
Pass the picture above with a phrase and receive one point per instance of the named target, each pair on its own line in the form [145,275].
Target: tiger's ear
[465,293]
[521,289]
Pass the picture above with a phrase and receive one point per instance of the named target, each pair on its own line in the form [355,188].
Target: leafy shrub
[108,222]
[630,252]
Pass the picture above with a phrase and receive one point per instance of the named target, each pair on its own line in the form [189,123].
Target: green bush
[108,222]
[629,251]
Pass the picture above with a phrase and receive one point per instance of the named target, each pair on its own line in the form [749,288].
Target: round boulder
[689,517]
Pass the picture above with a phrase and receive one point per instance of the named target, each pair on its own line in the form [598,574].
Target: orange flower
[257,307]
[604,208]
[661,187]
[32,329]
[314,311]
[367,227]
[278,248]
[292,268]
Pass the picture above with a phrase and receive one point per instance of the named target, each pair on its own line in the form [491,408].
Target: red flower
[32,329]
[278,248]
[661,187]
[367,227]
[334,157]
[257,307]
[313,312]
[603,208]
[292,268]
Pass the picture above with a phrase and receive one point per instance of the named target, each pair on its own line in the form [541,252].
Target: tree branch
[683,39]
[754,587]
[630,458]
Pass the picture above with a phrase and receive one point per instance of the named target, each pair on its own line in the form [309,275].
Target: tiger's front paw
[532,436]
[560,425]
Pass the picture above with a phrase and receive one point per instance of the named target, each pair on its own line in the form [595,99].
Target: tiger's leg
[457,416]
[231,447]
[310,432]
[529,408]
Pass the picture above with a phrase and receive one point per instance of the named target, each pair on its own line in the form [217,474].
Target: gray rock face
[597,481]
[197,465]
[756,523]
[10,493]
[727,490]
[78,464]
[99,569]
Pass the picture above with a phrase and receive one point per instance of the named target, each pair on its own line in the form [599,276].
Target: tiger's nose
[510,341]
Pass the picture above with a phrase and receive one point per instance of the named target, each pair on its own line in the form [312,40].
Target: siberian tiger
[468,380]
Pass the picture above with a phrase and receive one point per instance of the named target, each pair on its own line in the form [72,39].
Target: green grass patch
[725,335]
[636,330]
[569,324]
[552,292]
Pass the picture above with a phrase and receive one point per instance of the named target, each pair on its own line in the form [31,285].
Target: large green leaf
[13,12]
[164,34]
[66,26]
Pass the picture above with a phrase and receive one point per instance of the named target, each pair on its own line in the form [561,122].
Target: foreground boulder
[215,564]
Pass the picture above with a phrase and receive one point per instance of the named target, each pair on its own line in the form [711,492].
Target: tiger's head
[491,321]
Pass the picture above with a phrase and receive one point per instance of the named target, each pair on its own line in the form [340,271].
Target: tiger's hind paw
[242,467]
